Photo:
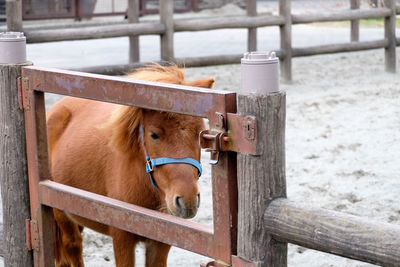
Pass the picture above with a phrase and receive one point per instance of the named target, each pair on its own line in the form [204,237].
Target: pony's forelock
[125,120]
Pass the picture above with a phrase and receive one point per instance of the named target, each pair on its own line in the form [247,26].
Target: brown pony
[98,147]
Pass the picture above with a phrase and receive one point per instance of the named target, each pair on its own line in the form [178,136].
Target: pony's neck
[150,196]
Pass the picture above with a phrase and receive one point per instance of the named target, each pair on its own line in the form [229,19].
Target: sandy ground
[343,124]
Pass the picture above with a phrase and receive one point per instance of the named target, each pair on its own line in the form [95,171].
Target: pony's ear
[124,127]
[205,83]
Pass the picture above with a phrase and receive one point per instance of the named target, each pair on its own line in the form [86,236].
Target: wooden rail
[341,15]
[95,32]
[336,48]
[227,22]
[333,232]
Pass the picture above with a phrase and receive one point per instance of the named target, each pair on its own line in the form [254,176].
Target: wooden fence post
[13,163]
[286,39]
[167,39]
[390,35]
[133,17]
[262,178]
[252,32]
[14,15]
[355,24]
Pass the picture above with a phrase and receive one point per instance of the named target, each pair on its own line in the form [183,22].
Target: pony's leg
[69,240]
[156,253]
[124,244]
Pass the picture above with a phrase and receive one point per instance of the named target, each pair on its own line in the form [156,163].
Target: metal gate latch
[213,142]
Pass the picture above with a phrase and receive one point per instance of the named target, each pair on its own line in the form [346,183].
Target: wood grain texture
[338,48]
[286,39]
[252,32]
[228,22]
[13,170]
[167,38]
[334,232]
[355,23]
[341,15]
[261,179]
[133,17]
[390,35]
[14,15]
[95,32]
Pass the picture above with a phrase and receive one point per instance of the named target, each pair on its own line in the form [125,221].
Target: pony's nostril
[179,203]
[198,200]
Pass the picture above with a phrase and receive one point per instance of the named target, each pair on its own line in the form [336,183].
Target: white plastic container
[260,73]
[12,48]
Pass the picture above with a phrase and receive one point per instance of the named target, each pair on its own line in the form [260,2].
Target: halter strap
[151,163]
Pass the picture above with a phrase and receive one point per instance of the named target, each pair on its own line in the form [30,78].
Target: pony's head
[163,134]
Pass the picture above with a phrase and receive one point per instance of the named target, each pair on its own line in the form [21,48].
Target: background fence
[166,27]
[78,9]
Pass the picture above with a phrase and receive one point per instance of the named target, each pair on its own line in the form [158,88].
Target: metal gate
[230,133]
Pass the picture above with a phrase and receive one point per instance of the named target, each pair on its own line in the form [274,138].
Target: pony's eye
[154,136]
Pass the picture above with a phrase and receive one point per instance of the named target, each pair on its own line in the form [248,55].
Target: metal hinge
[24,101]
[32,234]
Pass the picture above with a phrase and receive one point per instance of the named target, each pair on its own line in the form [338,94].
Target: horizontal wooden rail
[152,224]
[341,15]
[187,100]
[122,69]
[67,25]
[96,32]
[338,48]
[334,232]
[204,24]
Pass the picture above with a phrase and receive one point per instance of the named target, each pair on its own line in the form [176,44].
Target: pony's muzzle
[186,209]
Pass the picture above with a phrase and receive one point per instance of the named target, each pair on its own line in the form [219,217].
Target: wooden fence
[166,27]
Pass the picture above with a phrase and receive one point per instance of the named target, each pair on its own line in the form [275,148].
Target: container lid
[12,37]
[257,58]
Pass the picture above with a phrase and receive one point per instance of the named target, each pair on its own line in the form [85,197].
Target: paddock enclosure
[266,219]
[167,26]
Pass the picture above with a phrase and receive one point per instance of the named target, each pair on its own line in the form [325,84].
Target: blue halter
[151,163]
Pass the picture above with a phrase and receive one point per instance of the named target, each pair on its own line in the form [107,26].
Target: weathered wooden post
[261,178]
[167,38]
[286,39]
[14,15]
[133,17]
[252,32]
[13,164]
[355,23]
[390,35]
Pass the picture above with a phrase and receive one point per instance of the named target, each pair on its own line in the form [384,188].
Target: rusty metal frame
[218,106]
